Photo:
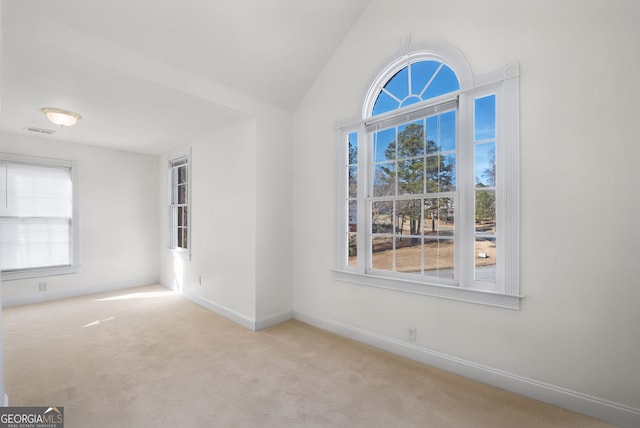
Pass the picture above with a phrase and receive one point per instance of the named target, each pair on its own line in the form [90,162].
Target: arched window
[428,199]
[416,82]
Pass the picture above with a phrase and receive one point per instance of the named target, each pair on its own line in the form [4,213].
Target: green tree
[412,152]
[486,199]
[485,205]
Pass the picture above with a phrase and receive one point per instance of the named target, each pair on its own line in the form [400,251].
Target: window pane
[353,181]
[439,217]
[421,74]
[182,194]
[382,253]
[384,180]
[448,173]
[174,186]
[353,249]
[444,82]
[485,241]
[408,217]
[411,140]
[182,174]
[485,164]
[433,173]
[485,250]
[353,148]
[409,254]
[485,118]
[384,103]
[384,143]
[398,85]
[441,173]
[441,132]
[353,216]
[439,256]
[381,217]
[411,176]
[180,216]
[183,234]
[485,211]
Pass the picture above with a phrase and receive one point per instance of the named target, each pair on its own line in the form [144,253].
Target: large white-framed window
[39,217]
[428,182]
[180,201]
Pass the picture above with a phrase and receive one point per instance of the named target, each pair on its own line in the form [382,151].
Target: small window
[38,217]
[179,201]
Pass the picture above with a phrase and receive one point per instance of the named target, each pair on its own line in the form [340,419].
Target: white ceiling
[150,75]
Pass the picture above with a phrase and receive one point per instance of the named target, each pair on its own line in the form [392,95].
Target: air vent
[41,130]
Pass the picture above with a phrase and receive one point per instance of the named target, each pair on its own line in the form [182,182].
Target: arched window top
[418,81]
[434,70]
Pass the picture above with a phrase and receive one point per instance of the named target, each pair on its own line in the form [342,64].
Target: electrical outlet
[413,332]
[42,286]
[199,280]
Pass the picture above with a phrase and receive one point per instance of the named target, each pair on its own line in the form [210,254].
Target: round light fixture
[61,117]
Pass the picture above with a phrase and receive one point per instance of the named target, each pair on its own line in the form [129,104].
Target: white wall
[118,220]
[223,224]
[241,223]
[274,295]
[574,342]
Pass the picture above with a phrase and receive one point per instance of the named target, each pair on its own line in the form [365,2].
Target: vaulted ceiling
[149,75]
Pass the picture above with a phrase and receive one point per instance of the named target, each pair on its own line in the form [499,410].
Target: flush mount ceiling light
[61,117]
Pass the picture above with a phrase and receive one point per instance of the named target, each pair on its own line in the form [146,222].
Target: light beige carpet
[145,357]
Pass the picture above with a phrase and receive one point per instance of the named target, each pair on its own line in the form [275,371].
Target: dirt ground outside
[436,256]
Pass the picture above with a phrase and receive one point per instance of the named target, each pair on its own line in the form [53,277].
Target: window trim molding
[74,267]
[505,80]
[469,295]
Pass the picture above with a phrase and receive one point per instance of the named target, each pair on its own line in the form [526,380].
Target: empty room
[297,213]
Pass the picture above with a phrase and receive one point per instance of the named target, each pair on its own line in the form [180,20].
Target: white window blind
[36,216]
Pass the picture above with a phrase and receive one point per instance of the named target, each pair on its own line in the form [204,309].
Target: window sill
[180,252]
[39,272]
[488,298]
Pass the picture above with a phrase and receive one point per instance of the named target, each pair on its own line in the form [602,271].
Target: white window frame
[181,155]
[74,267]
[504,83]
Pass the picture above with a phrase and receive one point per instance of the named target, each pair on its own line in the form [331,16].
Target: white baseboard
[272,320]
[605,410]
[235,316]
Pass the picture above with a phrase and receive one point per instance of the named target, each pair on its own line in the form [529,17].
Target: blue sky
[417,82]
[424,80]
[484,135]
